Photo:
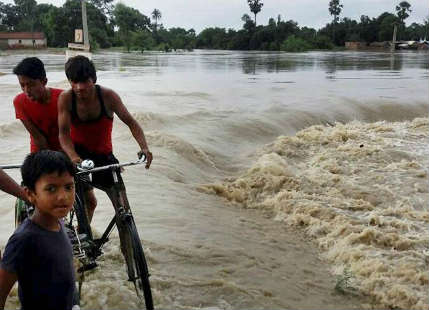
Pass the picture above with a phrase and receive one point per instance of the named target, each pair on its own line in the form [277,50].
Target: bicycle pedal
[88,267]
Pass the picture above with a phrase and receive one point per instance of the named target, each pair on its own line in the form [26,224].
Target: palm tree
[335,9]
[402,10]
[255,6]
[156,15]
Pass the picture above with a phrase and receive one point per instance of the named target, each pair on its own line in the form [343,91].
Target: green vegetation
[255,6]
[294,44]
[335,9]
[122,26]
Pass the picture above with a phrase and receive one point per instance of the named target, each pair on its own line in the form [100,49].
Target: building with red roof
[18,40]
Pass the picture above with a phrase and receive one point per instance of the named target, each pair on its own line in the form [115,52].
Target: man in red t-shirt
[36,106]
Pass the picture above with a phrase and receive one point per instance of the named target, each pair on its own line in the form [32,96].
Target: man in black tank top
[85,117]
[75,116]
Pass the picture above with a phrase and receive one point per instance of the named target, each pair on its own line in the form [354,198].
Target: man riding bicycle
[85,120]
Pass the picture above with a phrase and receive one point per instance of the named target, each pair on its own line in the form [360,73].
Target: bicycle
[85,247]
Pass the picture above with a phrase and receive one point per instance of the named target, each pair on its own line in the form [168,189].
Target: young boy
[85,120]
[36,106]
[39,254]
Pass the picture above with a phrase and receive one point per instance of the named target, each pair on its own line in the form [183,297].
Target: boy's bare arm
[119,108]
[64,123]
[7,280]
[8,185]
[38,137]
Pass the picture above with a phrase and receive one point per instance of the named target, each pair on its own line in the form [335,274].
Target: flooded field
[276,176]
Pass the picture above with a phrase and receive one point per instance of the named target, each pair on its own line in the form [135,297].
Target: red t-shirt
[44,117]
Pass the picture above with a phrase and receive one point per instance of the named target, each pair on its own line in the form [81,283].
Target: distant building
[356,45]
[18,40]
[423,45]
[367,46]
[409,45]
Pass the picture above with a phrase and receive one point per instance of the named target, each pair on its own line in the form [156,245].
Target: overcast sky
[199,14]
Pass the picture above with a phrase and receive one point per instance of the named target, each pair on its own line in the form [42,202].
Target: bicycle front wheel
[136,262]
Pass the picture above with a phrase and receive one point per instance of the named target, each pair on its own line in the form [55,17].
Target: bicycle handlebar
[140,161]
[10,166]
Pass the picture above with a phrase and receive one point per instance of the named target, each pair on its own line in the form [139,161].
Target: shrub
[323,42]
[294,44]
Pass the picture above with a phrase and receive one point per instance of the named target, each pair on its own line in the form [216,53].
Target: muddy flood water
[279,180]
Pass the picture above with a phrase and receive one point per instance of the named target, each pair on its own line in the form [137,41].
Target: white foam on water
[361,191]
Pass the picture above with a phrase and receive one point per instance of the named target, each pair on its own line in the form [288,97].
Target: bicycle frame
[116,194]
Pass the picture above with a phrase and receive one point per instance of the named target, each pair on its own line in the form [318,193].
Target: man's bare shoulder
[108,92]
[65,98]
[110,97]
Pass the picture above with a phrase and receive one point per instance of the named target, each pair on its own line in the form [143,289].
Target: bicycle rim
[136,263]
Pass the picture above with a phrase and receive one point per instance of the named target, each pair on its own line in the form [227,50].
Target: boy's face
[83,90]
[53,194]
[33,88]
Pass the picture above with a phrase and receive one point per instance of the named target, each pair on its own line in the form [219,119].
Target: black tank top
[75,116]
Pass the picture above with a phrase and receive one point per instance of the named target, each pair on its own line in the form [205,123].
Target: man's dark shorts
[102,178]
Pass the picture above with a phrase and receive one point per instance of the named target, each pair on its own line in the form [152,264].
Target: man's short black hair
[80,69]
[44,162]
[31,67]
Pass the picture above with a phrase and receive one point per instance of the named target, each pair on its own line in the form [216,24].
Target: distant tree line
[122,26]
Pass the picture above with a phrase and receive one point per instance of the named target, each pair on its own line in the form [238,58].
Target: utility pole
[78,48]
[85,26]
[393,46]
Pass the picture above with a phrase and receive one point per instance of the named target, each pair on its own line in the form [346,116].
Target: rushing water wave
[361,190]
[330,144]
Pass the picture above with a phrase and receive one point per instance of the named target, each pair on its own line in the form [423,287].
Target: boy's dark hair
[44,162]
[80,69]
[31,67]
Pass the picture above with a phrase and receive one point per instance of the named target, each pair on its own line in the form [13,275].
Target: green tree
[56,27]
[100,30]
[294,44]
[335,9]
[248,22]
[415,32]
[426,27]
[402,10]
[322,42]
[368,29]
[106,6]
[216,38]
[129,20]
[26,12]
[143,40]
[255,6]
[156,15]
[385,32]
[9,16]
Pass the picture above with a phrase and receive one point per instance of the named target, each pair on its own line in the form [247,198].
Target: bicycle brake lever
[141,156]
